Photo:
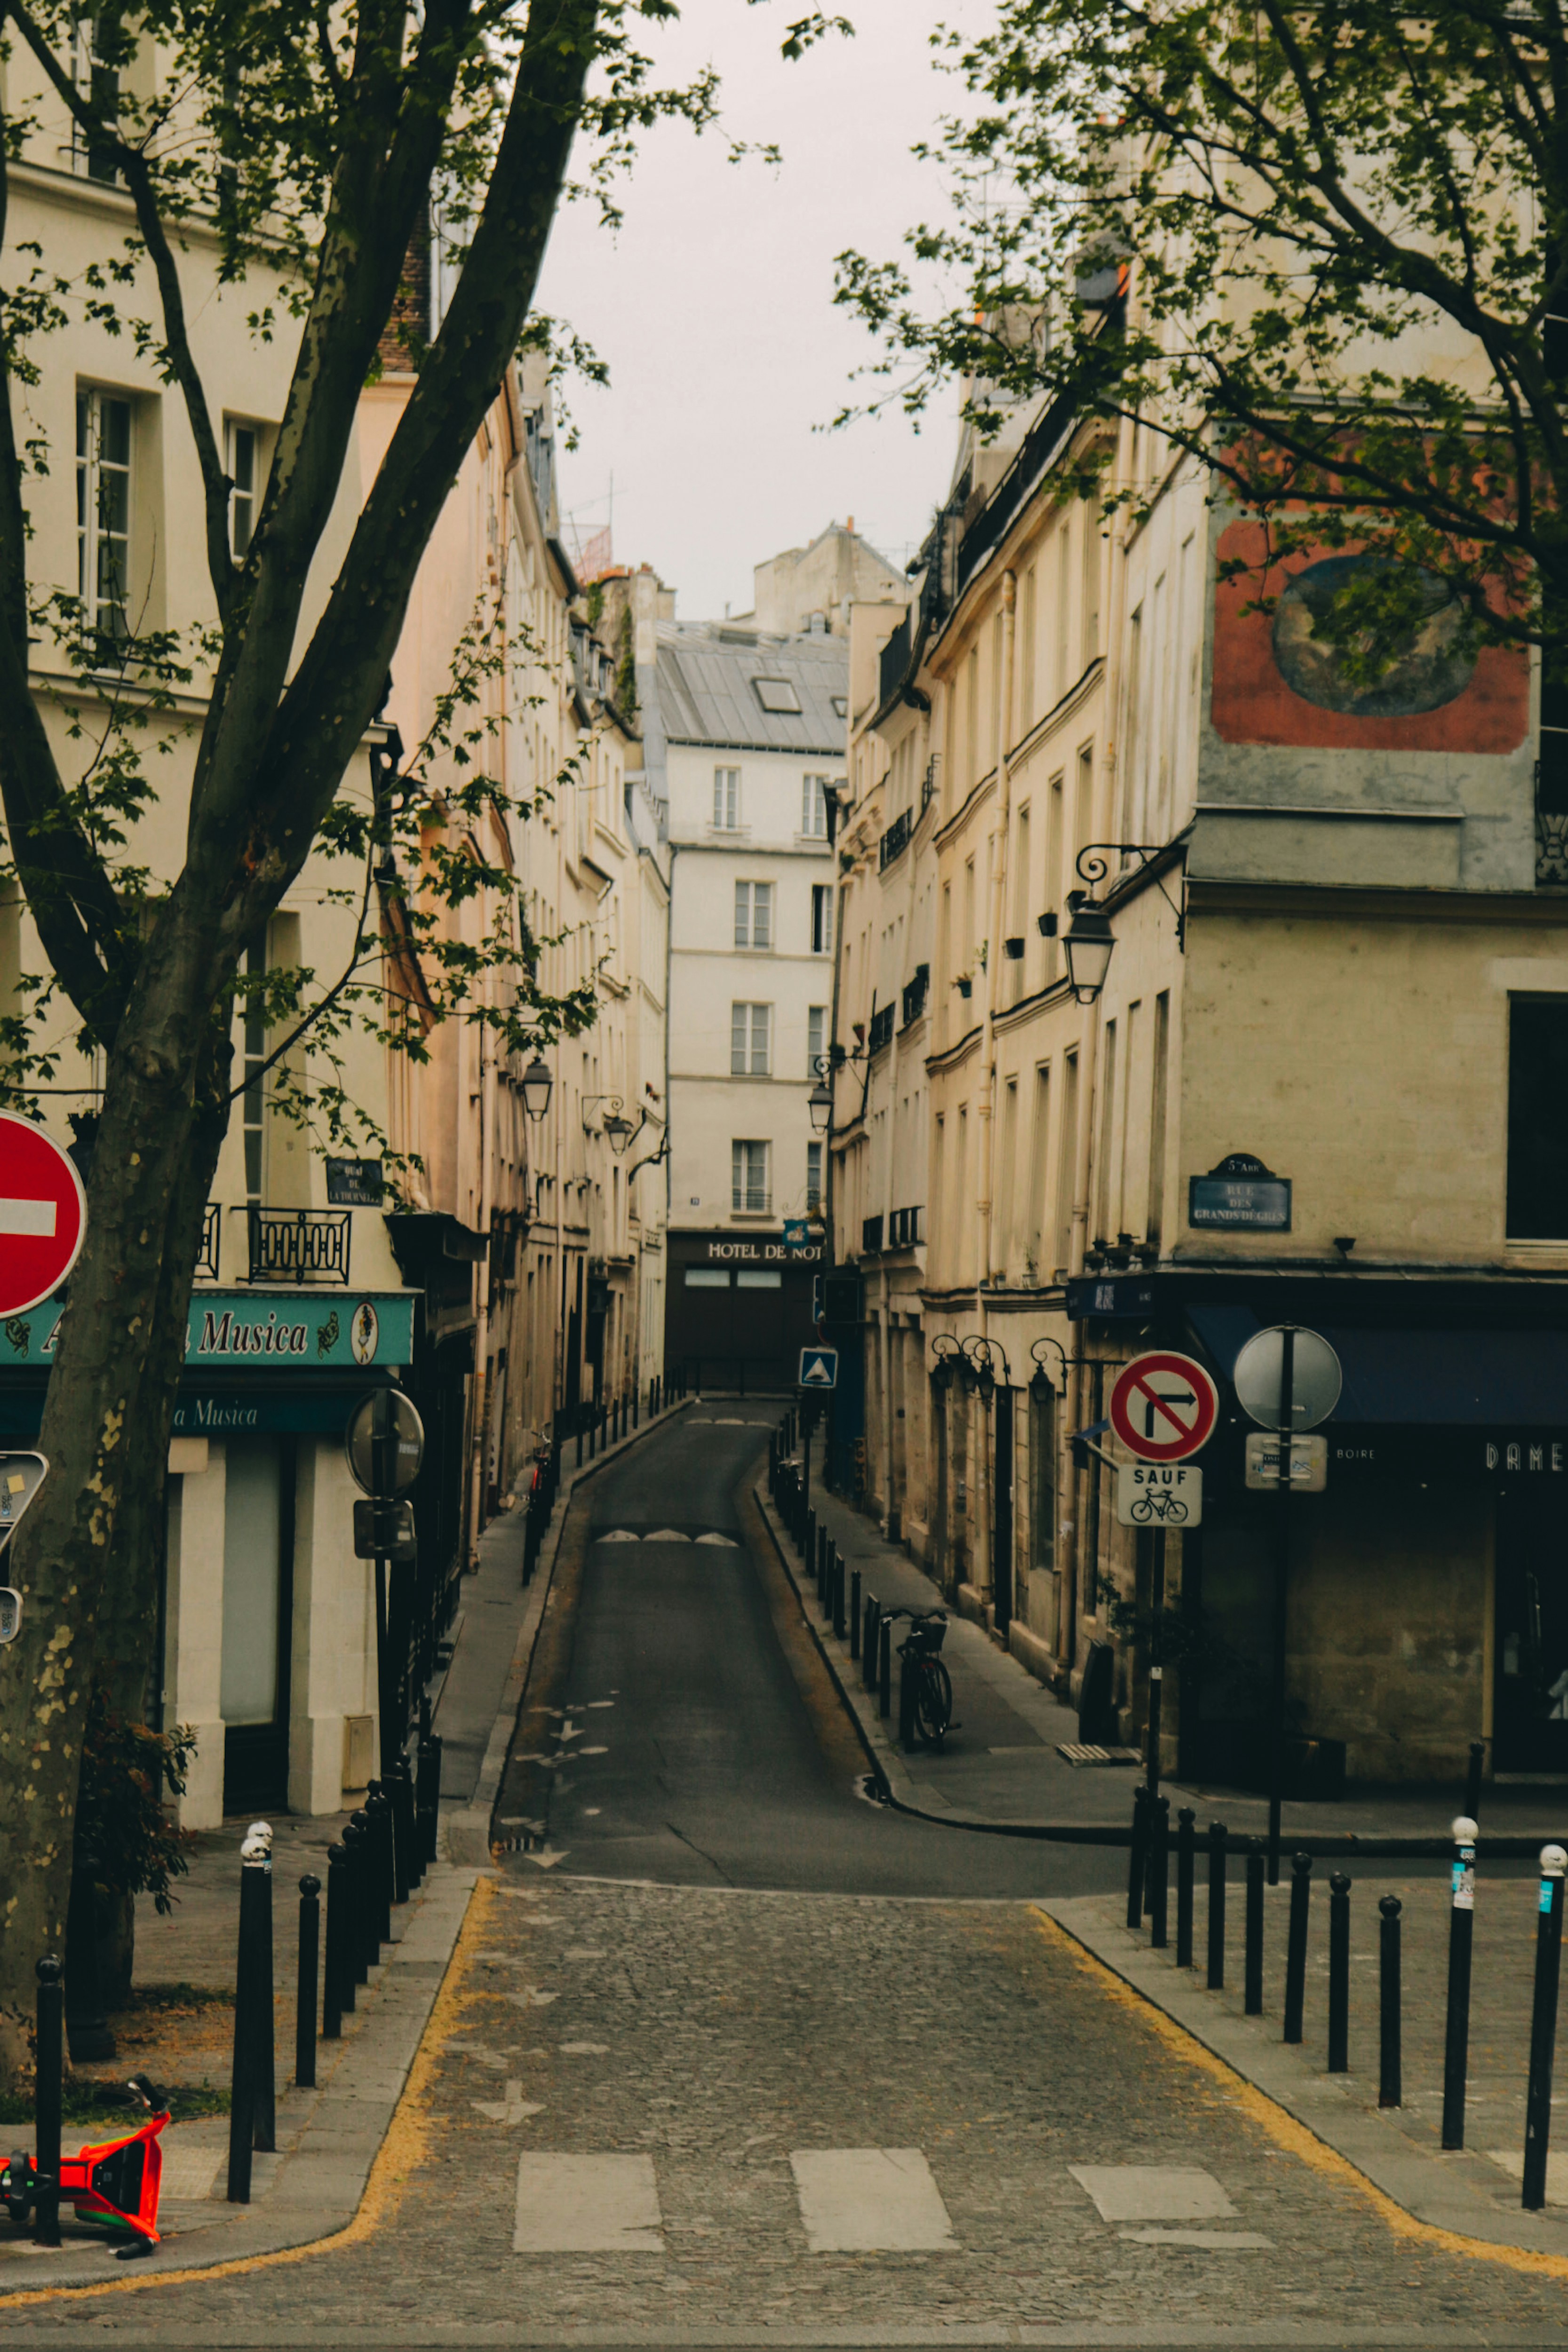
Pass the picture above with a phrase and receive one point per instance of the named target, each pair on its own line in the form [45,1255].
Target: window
[754,914]
[1538,1118]
[822,918]
[775,694]
[707,1278]
[726,799]
[751,1188]
[758,1277]
[103,511]
[813,1175]
[840,705]
[816,1036]
[750,1041]
[100,85]
[814,807]
[240,464]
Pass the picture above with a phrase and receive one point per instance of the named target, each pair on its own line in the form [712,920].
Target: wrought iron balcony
[882,1029]
[905,1229]
[870,1236]
[299,1246]
[895,841]
[915,993]
[211,1231]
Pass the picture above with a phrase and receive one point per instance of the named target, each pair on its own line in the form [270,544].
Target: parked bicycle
[932,1706]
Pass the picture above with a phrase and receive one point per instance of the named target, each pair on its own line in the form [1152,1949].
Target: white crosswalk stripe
[1154,2192]
[587,2205]
[869,2200]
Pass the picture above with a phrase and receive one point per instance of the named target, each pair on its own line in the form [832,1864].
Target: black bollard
[1252,1972]
[1390,2087]
[1461,1934]
[337,1977]
[305,1996]
[1138,1860]
[1159,1871]
[813,1560]
[869,1642]
[884,1667]
[1543,2026]
[1218,1834]
[356,1838]
[905,1699]
[1184,1858]
[400,1792]
[837,1593]
[48,2057]
[1473,1780]
[379,1809]
[855,1613]
[1339,1973]
[252,2027]
[579,1463]
[1296,1945]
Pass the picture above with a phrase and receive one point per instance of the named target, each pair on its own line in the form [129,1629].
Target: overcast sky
[713,306]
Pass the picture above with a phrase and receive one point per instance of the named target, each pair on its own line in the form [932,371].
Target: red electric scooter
[114,2181]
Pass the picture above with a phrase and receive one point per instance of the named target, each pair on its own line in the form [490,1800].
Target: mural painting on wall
[1275,682]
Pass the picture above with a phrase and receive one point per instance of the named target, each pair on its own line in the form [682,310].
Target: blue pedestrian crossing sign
[819,1368]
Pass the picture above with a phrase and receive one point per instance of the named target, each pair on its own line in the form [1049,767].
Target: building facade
[1316,1086]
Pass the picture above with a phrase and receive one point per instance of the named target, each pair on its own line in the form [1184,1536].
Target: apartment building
[1292,1063]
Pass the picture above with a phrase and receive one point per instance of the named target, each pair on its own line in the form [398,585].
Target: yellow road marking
[403,2148]
[1297,2139]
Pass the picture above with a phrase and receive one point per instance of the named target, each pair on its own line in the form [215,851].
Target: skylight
[841,705]
[776,694]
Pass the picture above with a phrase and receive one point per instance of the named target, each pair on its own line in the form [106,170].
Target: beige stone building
[1321,1084]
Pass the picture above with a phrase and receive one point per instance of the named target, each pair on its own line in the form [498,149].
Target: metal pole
[48,2067]
[356,1838]
[305,1997]
[250,1989]
[1159,1869]
[1218,1834]
[1184,1861]
[906,1697]
[1156,1664]
[855,1613]
[1137,1861]
[1543,2026]
[869,1642]
[1339,1973]
[381,1863]
[1461,1934]
[433,1815]
[1281,1590]
[1473,1780]
[1253,1966]
[1390,2087]
[885,1668]
[1296,1945]
[266,2058]
[837,1593]
[337,1977]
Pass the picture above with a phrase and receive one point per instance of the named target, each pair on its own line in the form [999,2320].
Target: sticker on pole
[1163,1407]
[43,1214]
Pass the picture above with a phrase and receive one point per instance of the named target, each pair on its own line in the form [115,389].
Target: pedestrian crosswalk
[666,1536]
[851,2201]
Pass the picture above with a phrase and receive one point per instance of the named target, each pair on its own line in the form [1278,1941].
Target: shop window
[1538,1118]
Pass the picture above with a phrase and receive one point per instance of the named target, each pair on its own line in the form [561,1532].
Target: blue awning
[1488,1376]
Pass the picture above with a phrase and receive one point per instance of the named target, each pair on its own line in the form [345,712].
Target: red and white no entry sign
[43,1214]
[1163,1406]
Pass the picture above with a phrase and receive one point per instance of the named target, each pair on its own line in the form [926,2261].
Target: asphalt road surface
[735,2057]
[707,1746]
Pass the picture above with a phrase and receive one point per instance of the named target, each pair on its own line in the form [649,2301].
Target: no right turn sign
[1163,1406]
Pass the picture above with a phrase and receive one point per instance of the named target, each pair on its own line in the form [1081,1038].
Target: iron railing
[892,662]
[299,1244]
[212,1229]
[915,993]
[895,841]
[882,1029]
[905,1229]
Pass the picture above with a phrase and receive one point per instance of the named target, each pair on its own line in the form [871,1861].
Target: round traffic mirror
[385,1442]
[1315,1378]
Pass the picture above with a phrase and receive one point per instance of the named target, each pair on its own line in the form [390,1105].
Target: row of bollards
[1147,1893]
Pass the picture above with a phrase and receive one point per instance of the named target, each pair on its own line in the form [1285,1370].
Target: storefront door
[258,1594]
[1530,1690]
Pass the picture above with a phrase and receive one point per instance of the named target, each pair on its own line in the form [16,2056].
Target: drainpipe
[1089,1057]
[889,1158]
[1000,826]
[483,1304]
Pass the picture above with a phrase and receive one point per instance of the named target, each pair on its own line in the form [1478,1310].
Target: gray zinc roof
[706,692]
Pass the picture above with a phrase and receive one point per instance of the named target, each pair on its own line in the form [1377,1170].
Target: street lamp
[620,1132]
[1088,946]
[535,1086]
[820,1100]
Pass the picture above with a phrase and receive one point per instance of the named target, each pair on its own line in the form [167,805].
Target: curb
[322,2179]
[465,1829]
[1454,2194]
[898,1788]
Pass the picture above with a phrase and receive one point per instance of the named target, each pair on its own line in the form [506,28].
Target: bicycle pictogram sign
[1163,1406]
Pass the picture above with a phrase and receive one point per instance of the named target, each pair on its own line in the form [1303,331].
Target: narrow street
[734,2056]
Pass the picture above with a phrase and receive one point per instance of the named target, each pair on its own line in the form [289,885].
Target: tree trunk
[129,1297]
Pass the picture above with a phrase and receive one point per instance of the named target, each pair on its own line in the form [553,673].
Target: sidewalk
[179,2025]
[999,1769]
[1476,2191]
